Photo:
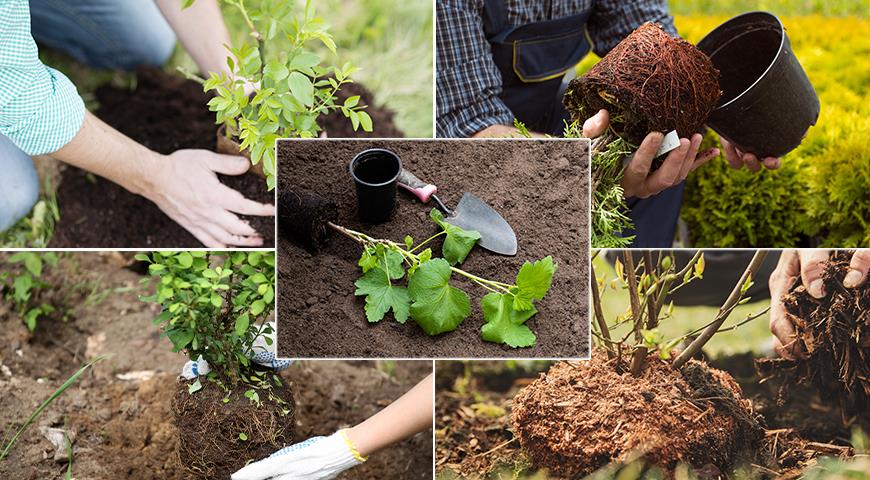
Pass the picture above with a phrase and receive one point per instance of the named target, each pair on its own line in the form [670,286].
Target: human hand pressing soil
[637,180]
[184,185]
[186,188]
[806,266]
[322,458]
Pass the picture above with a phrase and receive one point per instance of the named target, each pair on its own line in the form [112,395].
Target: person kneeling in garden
[41,112]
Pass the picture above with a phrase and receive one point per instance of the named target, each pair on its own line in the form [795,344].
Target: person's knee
[17,202]
[149,46]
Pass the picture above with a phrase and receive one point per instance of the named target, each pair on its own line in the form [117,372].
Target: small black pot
[767,103]
[374,171]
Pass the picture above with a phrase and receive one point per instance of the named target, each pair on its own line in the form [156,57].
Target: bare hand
[806,265]
[637,180]
[737,159]
[187,189]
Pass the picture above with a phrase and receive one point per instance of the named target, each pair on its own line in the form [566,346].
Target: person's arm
[201,30]
[321,458]
[613,20]
[184,184]
[807,267]
[382,429]
[468,81]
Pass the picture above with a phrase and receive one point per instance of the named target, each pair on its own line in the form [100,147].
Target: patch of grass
[36,229]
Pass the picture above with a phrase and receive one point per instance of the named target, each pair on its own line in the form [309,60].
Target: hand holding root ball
[637,181]
[806,266]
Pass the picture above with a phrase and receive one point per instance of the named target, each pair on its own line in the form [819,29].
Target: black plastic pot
[767,103]
[374,171]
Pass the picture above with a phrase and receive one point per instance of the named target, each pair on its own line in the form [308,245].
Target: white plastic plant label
[670,142]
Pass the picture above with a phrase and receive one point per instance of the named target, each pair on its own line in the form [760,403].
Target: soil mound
[216,438]
[580,416]
[650,82]
[835,333]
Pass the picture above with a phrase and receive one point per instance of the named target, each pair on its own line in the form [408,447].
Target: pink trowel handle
[419,188]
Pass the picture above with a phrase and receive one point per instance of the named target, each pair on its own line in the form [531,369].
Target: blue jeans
[107,34]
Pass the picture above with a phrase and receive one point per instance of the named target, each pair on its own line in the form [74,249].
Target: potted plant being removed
[277,95]
[215,308]
[649,82]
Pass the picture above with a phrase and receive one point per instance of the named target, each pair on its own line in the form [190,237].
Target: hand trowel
[472,213]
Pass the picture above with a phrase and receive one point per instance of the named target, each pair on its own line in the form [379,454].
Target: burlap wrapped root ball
[580,416]
[650,82]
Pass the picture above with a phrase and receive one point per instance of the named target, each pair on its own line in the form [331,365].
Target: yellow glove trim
[350,447]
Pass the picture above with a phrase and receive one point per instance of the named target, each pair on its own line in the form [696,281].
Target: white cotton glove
[261,353]
[318,458]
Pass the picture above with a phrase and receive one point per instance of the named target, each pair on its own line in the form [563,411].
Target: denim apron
[533,59]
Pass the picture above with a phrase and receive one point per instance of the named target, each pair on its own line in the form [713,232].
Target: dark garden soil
[165,113]
[539,187]
[119,414]
[650,82]
[475,437]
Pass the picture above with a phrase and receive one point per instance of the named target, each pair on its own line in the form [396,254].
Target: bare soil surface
[166,113]
[539,187]
[119,414]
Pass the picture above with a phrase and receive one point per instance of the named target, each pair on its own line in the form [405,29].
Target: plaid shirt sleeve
[468,81]
[613,20]
[40,109]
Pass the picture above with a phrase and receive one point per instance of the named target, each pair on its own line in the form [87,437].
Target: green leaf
[304,60]
[243,436]
[533,282]
[185,259]
[365,120]
[276,70]
[194,387]
[242,323]
[382,296]
[257,307]
[503,323]
[458,243]
[301,88]
[180,337]
[409,241]
[216,300]
[437,306]
[33,264]
[368,260]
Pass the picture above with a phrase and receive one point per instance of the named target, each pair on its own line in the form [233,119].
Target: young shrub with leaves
[650,283]
[291,87]
[23,285]
[215,305]
[429,298]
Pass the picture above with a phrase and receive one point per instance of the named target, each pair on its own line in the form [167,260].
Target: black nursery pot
[767,103]
[374,171]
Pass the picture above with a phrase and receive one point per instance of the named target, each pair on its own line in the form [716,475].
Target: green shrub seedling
[25,288]
[291,89]
[215,305]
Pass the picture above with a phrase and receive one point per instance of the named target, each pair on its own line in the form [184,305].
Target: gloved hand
[318,458]
[262,353]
